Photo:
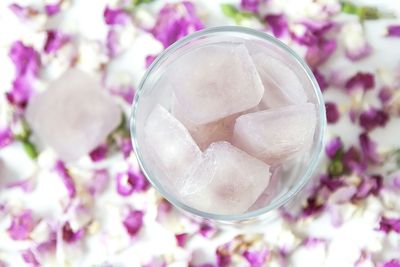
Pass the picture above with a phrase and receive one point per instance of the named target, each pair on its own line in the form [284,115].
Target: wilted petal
[361,80]
[333,147]
[54,41]
[320,52]
[368,148]
[369,185]
[69,235]
[372,118]
[332,112]
[99,153]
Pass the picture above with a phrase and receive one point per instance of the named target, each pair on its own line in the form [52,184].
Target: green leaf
[30,149]
[232,12]
[336,168]
[138,2]
[364,12]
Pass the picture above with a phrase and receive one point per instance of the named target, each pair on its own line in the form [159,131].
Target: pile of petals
[100,210]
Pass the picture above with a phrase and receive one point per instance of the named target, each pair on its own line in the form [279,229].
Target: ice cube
[205,134]
[215,81]
[282,86]
[227,180]
[74,115]
[171,146]
[277,134]
[270,192]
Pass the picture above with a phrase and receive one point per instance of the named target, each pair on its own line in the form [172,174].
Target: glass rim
[302,181]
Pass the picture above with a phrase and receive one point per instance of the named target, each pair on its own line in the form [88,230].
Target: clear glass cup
[293,178]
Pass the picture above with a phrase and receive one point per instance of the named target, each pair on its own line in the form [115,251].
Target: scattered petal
[356,46]
[369,185]
[6,137]
[69,183]
[389,224]
[55,40]
[52,9]
[256,258]
[131,181]
[368,148]
[69,235]
[176,21]
[181,239]
[333,147]
[332,112]
[320,52]
[133,222]
[277,23]
[250,5]
[223,256]
[207,230]
[30,258]
[393,31]
[21,225]
[361,80]
[149,60]
[373,118]
[99,182]
[385,94]
[115,16]
[99,153]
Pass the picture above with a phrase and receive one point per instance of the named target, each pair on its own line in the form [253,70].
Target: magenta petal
[363,80]
[127,93]
[389,224]
[278,24]
[250,5]
[372,118]
[393,31]
[130,181]
[368,148]
[256,258]
[21,226]
[149,60]
[181,239]
[115,16]
[223,256]
[385,94]
[125,145]
[319,53]
[392,263]
[99,153]
[312,207]
[66,178]
[369,185]
[25,58]
[207,230]
[332,112]
[112,43]
[352,160]
[333,147]
[52,9]
[6,137]
[175,21]
[133,222]
[99,182]
[69,235]
[55,40]
[30,258]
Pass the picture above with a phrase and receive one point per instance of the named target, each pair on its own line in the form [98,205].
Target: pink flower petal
[393,31]
[256,258]
[175,21]
[52,9]
[332,112]
[69,235]
[181,239]
[368,148]
[389,224]
[99,153]
[54,41]
[149,60]
[250,5]
[30,258]
[115,16]
[363,80]
[373,118]
[69,183]
[278,24]
[99,182]
[133,222]
[21,226]
[131,181]
[6,137]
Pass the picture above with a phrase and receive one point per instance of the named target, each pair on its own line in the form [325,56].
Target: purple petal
[25,59]
[69,235]
[131,181]
[112,43]
[278,24]
[115,16]
[256,258]
[368,148]
[352,160]
[385,94]
[133,222]
[332,112]
[99,153]
[313,207]
[6,137]
[207,230]
[69,183]
[223,256]
[125,145]
[21,12]
[21,226]
[149,60]
[369,185]
[21,92]
[181,239]
[26,185]
[250,5]
[55,40]
[322,82]
[319,53]
[30,258]
[393,31]
[175,21]
[373,118]
[52,9]
[363,80]
[333,147]
[392,263]
[389,224]
[330,183]
[358,53]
